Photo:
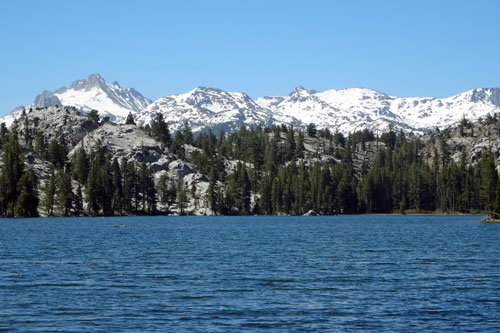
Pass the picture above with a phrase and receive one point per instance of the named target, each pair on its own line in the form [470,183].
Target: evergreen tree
[27,201]
[12,170]
[92,190]
[311,130]
[80,165]
[299,152]
[64,193]
[290,144]
[130,119]
[93,115]
[49,195]
[117,199]
[78,207]
[489,182]
[159,129]
[181,198]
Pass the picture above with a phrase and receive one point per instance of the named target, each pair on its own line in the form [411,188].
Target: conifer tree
[80,165]
[117,200]
[27,201]
[130,119]
[64,193]
[159,129]
[49,195]
[12,170]
[489,181]
[78,206]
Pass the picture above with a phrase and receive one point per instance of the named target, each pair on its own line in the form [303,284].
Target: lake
[371,273]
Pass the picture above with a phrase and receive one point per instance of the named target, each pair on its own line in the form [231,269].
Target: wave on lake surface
[396,273]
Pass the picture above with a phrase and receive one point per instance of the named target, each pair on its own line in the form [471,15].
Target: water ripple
[382,273]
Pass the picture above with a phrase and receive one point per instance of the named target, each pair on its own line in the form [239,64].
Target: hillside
[69,163]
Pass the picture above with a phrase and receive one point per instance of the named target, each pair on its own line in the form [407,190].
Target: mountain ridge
[204,108]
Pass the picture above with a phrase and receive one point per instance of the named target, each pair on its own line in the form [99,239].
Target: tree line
[271,173]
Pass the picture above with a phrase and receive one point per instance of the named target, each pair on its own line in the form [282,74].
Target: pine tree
[311,130]
[212,192]
[27,201]
[64,193]
[130,119]
[489,182]
[12,170]
[78,207]
[290,144]
[159,129]
[181,198]
[150,191]
[92,190]
[117,200]
[80,165]
[49,195]
[299,152]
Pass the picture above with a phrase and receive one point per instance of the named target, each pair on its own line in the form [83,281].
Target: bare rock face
[125,141]
[47,98]
[131,143]
[468,143]
[54,121]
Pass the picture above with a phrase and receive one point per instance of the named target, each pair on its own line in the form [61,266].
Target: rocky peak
[47,98]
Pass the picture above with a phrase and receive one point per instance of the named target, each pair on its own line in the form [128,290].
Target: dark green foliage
[56,153]
[80,165]
[489,182]
[78,202]
[4,135]
[312,130]
[10,175]
[130,119]
[254,171]
[49,195]
[117,198]
[299,151]
[64,194]
[93,115]
[41,146]
[104,120]
[159,129]
[27,201]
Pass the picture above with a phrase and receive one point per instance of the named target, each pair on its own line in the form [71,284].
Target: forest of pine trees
[273,174]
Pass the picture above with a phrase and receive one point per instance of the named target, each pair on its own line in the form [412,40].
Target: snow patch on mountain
[94,93]
[109,99]
[353,109]
[345,110]
[207,108]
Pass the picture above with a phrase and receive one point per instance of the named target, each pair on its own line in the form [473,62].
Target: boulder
[311,213]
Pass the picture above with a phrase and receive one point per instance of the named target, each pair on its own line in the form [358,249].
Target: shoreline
[484,220]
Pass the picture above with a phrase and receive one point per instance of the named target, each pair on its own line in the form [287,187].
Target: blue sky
[403,48]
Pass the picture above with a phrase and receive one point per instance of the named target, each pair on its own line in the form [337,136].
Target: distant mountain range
[203,108]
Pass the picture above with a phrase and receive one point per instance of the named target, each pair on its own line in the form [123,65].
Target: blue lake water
[371,273]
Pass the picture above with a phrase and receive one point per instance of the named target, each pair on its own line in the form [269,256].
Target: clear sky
[404,48]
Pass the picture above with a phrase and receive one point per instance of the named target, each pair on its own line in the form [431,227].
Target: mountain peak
[301,91]
[201,89]
[95,80]
[95,93]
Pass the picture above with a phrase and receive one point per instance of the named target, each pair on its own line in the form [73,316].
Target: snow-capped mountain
[203,108]
[352,109]
[109,99]
[94,93]
[208,108]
